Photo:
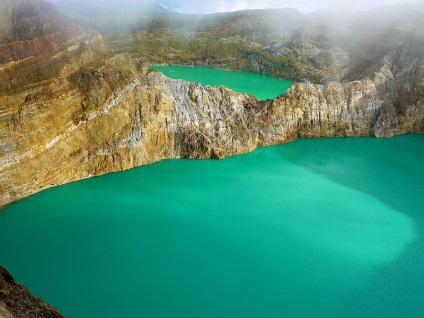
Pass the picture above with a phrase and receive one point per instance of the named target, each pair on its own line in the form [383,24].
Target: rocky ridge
[114,117]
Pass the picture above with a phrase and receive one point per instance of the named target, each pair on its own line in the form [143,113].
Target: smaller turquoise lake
[262,86]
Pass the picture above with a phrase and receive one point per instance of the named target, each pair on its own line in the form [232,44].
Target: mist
[321,45]
[304,6]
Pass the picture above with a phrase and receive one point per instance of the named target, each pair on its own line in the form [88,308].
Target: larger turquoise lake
[314,228]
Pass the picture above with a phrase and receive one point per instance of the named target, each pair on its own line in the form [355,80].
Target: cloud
[195,6]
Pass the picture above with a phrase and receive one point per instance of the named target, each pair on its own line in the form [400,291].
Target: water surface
[262,86]
[314,228]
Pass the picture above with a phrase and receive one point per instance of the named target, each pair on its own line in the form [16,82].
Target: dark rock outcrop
[17,302]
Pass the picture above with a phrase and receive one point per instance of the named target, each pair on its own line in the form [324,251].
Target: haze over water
[313,228]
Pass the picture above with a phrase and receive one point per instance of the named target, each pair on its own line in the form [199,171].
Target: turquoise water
[262,86]
[314,228]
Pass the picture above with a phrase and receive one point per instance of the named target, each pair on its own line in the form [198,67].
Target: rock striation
[71,110]
[17,302]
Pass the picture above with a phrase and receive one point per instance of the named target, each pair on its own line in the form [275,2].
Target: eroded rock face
[76,111]
[17,302]
[400,82]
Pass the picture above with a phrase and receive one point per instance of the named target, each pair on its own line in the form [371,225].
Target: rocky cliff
[17,302]
[71,110]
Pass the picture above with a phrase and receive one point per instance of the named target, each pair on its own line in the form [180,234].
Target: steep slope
[400,82]
[17,302]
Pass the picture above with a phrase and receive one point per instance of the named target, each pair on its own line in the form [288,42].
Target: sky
[305,6]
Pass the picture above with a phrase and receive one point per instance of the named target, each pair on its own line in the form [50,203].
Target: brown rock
[17,302]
